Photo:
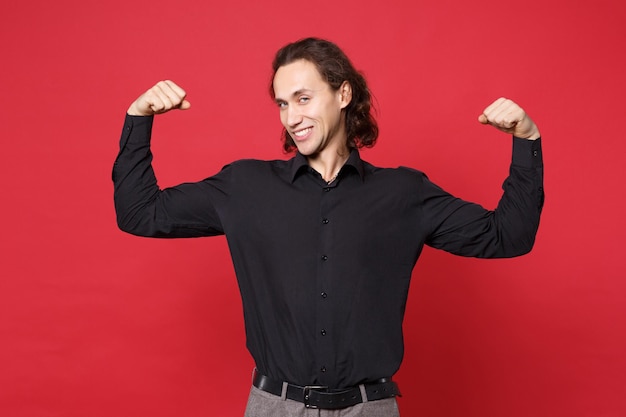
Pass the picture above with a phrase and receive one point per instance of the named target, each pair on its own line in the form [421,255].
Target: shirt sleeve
[143,209]
[467,229]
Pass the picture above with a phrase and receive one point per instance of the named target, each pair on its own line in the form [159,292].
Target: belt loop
[363,393]
[283,394]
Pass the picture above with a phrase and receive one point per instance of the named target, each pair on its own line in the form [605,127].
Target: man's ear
[345,94]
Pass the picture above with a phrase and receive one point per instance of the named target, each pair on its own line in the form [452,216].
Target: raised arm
[468,229]
[187,210]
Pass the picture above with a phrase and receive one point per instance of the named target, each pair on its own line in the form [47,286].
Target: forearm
[518,212]
[135,184]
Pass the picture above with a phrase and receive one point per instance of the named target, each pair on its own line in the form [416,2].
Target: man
[324,243]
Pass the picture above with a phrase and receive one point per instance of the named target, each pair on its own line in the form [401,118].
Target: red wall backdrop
[94,322]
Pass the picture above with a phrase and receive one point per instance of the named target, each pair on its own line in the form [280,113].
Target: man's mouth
[300,134]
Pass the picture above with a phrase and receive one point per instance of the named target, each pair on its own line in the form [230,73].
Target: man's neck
[329,162]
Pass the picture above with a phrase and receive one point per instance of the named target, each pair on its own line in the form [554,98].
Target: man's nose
[294,116]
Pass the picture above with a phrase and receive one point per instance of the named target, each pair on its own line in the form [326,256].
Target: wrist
[133,110]
[534,135]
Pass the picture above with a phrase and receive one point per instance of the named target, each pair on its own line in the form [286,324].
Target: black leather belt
[315,396]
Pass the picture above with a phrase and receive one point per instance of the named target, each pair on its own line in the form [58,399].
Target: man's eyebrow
[296,93]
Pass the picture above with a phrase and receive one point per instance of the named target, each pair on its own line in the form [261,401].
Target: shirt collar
[299,162]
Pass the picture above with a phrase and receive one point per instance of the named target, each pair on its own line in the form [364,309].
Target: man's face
[310,110]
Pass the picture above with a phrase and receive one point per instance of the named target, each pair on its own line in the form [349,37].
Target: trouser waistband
[315,396]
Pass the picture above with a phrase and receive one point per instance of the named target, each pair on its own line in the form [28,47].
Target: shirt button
[323,369]
[324,258]
[324,295]
[535,153]
[325,221]
[323,332]
[327,189]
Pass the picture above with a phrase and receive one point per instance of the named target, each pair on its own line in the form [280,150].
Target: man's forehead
[297,77]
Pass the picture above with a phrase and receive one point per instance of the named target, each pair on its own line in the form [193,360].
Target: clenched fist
[161,98]
[507,116]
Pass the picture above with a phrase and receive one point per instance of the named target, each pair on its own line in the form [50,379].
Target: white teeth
[303,132]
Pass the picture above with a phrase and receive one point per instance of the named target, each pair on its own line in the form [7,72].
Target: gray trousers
[264,404]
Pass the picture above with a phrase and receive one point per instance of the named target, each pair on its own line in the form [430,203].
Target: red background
[94,322]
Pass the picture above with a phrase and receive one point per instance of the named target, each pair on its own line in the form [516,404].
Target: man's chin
[307,151]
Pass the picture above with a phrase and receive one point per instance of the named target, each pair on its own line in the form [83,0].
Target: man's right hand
[161,98]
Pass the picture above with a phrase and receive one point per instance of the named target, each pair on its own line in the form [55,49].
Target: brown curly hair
[334,67]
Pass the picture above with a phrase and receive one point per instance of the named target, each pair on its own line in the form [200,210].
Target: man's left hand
[507,116]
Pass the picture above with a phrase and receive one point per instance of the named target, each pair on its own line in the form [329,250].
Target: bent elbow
[522,245]
[133,225]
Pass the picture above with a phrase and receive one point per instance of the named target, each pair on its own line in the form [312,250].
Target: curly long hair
[334,67]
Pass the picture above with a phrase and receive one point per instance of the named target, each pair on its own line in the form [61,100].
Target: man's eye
[304,99]
[281,104]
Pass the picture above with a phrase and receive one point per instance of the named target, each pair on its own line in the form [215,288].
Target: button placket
[325,357]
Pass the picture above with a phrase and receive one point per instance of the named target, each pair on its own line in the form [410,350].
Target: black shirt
[324,269]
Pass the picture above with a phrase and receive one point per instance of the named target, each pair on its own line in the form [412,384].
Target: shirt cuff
[527,153]
[137,129]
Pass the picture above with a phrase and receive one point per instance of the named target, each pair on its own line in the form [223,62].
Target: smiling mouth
[302,133]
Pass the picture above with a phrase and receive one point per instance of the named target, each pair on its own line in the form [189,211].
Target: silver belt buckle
[306,391]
